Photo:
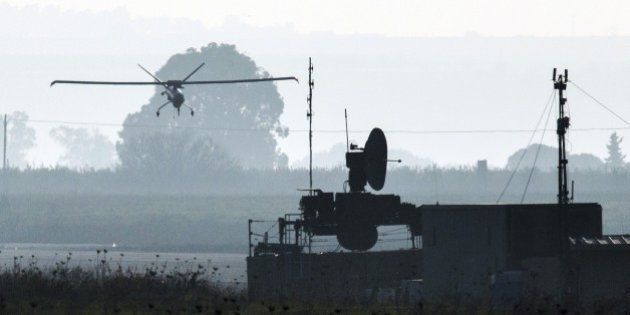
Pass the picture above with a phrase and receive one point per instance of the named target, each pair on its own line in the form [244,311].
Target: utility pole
[560,84]
[309,115]
[4,146]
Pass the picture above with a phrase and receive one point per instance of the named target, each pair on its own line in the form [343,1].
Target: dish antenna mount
[368,165]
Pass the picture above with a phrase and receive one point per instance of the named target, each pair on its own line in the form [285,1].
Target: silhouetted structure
[501,256]
[309,115]
[353,216]
[560,84]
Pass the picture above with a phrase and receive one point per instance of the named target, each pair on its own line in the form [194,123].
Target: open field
[183,223]
[217,224]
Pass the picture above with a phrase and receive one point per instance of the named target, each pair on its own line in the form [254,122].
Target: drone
[172,87]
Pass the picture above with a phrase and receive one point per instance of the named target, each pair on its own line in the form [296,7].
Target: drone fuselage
[174,95]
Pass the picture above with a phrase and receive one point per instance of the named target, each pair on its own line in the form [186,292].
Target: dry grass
[108,288]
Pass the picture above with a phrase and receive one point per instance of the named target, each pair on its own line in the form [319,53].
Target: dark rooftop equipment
[368,164]
[558,246]
[354,216]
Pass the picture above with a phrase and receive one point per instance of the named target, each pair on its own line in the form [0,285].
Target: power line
[393,131]
[600,103]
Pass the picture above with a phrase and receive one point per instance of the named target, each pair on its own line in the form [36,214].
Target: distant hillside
[335,157]
[548,159]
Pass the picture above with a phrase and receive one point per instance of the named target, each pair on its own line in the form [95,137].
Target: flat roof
[517,206]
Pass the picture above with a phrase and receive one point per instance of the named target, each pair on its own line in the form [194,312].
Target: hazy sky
[389,17]
[380,59]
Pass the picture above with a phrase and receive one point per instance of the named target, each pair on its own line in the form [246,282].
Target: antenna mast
[560,84]
[309,115]
[345,111]
[4,145]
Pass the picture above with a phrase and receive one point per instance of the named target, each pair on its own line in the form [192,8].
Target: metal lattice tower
[309,115]
[563,123]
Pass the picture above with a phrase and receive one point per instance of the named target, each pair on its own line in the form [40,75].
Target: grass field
[180,223]
[149,222]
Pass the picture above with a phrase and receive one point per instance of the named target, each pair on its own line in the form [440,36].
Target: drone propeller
[190,75]
[149,73]
[154,77]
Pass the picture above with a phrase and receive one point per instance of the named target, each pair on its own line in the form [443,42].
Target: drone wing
[157,82]
[241,80]
[103,82]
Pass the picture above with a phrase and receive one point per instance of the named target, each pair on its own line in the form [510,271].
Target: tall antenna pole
[560,84]
[4,146]
[309,115]
[345,111]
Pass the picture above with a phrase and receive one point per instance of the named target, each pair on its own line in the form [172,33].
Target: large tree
[174,152]
[84,148]
[615,159]
[239,120]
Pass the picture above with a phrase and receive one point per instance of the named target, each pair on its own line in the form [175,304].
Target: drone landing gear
[160,108]
[192,110]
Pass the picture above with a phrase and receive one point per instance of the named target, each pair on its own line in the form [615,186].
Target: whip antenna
[345,111]
[560,84]
[309,115]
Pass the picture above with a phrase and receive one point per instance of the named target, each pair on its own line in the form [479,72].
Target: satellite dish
[376,159]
